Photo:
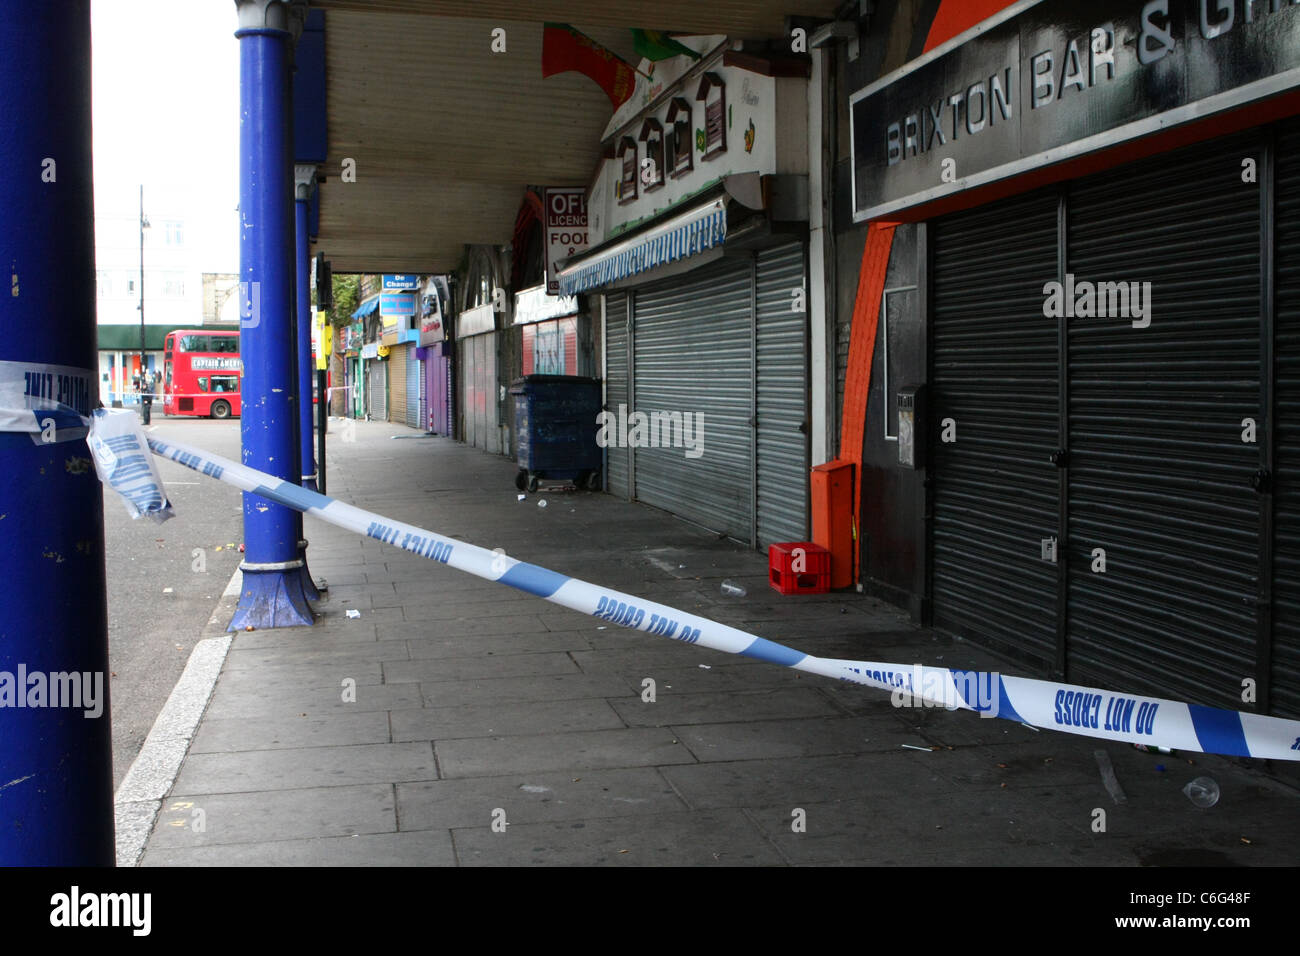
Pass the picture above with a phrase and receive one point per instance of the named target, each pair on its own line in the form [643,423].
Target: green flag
[656,45]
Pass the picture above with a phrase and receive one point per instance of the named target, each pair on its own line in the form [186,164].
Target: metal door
[1159,477]
[378,382]
[994,427]
[1282,670]
[616,389]
[693,381]
[414,390]
[782,485]
[397,385]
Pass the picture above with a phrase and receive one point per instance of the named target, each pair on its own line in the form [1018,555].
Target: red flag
[564,48]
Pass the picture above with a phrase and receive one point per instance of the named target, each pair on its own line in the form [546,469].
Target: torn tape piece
[48,402]
[1085,711]
[121,454]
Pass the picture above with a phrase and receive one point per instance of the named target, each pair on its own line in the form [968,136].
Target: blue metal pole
[56,779]
[273,593]
[306,374]
[302,334]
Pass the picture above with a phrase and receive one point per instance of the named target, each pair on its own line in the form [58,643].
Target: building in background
[178,292]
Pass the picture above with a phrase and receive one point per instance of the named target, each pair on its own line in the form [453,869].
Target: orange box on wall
[832,517]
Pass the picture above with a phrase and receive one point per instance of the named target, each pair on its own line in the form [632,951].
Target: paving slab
[299,767]
[429,848]
[504,718]
[534,798]
[586,750]
[267,815]
[235,734]
[718,838]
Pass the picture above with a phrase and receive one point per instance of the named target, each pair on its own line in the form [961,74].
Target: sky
[166,114]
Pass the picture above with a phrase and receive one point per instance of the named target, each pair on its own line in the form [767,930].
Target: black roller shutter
[1285,663]
[1159,476]
[995,375]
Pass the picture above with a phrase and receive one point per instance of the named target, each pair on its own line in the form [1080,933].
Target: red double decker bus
[202,373]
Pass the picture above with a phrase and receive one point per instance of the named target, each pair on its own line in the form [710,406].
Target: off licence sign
[566,228]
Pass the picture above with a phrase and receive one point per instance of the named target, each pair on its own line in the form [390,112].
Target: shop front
[434,349]
[698,223]
[1082,451]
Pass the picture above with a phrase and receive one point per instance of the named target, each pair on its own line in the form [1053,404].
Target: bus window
[225,383]
[203,383]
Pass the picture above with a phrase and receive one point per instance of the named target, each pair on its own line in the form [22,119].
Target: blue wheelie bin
[555,421]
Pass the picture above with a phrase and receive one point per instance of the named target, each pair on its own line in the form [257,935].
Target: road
[161,590]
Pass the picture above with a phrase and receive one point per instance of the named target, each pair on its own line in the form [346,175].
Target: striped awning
[367,307]
[678,238]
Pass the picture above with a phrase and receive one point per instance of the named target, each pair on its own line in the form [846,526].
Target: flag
[656,45]
[564,48]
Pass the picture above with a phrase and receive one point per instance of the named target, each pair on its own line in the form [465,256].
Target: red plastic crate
[815,576]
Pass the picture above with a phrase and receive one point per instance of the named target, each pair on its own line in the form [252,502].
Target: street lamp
[144,224]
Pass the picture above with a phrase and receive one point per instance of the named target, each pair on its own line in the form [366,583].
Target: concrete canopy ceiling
[446,134]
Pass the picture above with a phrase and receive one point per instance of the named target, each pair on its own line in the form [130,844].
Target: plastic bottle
[1203,792]
[735,590]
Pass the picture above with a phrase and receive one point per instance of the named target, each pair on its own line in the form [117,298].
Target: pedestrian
[146,397]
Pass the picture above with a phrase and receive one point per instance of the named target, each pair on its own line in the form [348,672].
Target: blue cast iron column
[273,592]
[56,780]
[304,180]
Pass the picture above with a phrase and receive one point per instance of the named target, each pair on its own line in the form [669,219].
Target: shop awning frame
[680,237]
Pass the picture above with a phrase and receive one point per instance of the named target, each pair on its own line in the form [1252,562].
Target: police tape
[47,402]
[1087,711]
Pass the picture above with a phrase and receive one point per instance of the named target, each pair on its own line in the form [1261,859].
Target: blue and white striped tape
[48,402]
[1087,711]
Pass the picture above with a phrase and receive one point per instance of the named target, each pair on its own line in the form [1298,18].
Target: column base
[273,598]
[308,585]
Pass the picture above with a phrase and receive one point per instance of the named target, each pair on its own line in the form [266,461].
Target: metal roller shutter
[616,387]
[479,392]
[782,398]
[425,372]
[377,373]
[996,493]
[693,353]
[397,384]
[1285,656]
[1158,474]
[414,378]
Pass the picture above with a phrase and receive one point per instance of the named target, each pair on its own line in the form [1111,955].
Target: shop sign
[433,326]
[401,283]
[535,305]
[566,228]
[397,303]
[476,321]
[1048,81]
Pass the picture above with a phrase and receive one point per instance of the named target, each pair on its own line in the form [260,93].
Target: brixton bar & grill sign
[1049,80]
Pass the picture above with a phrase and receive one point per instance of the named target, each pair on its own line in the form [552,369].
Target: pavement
[460,722]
